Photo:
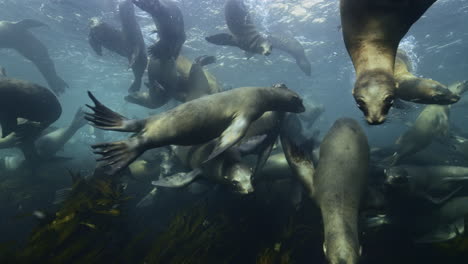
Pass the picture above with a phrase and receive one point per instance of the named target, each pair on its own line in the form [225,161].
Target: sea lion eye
[389,100]
[360,103]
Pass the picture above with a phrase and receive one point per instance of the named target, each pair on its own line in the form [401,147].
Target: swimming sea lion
[226,169]
[419,90]
[339,182]
[372,31]
[226,115]
[293,47]
[32,102]
[15,35]
[243,32]
[49,144]
[433,121]
[435,183]
[170,27]
[128,43]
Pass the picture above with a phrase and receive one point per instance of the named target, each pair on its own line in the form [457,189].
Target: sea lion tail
[116,156]
[104,118]
[30,23]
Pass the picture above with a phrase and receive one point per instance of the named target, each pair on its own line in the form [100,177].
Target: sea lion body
[15,35]
[169,22]
[339,182]
[227,114]
[433,121]
[22,99]
[243,32]
[294,48]
[226,169]
[372,31]
[419,90]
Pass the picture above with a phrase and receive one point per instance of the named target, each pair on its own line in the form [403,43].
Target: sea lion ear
[280,85]
[30,23]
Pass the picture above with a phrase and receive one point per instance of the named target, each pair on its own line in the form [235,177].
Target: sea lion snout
[266,48]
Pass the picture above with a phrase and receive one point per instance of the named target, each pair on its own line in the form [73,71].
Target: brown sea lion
[339,183]
[128,42]
[183,81]
[226,169]
[170,27]
[243,32]
[293,47]
[419,90]
[226,115]
[372,31]
[15,35]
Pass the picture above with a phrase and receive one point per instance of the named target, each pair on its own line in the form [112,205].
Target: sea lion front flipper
[443,199]
[116,156]
[104,118]
[222,39]
[230,136]
[180,179]
[251,144]
[30,23]
[205,60]
[265,152]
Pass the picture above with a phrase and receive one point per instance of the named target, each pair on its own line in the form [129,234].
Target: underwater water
[64,209]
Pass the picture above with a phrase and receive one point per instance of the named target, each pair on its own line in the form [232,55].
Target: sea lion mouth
[373,121]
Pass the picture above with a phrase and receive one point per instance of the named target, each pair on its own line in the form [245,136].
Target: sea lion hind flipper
[180,179]
[230,136]
[133,57]
[104,118]
[116,156]
[30,23]
[205,60]
[222,39]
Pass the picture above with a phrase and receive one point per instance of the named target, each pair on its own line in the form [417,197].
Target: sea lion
[339,182]
[49,144]
[432,122]
[293,47]
[435,183]
[170,27]
[243,35]
[372,31]
[34,103]
[226,169]
[15,35]
[183,81]
[226,115]
[128,42]
[419,90]
[311,114]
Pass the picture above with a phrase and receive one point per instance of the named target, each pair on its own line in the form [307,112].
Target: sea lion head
[94,22]
[289,101]
[265,48]
[374,95]
[396,177]
[240,178]
[439,93]
[341,249]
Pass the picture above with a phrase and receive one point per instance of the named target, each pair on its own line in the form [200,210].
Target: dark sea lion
[37,104]
[293,47]
[15,35]
[372,31]
[49,144]
[243,32]
[419,90]
[128,43]
[339,182]
[226,115]
[170,27]
[435,183]
[226,169]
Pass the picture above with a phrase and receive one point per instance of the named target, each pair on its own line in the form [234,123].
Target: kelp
[83,230]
